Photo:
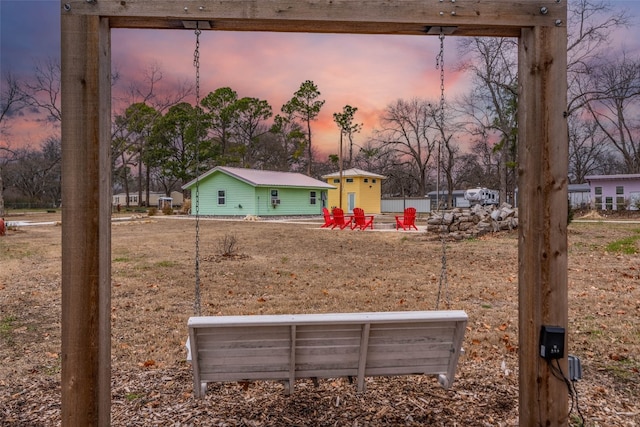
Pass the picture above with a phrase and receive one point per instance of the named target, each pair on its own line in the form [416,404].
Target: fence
[399,204]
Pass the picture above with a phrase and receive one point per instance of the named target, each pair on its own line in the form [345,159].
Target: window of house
[366,180]
[275,200]
[598,203]
[373,180]
[336,180]
[312,197]
[620,203]
[608,201]
[222,197]
[599,190]
[349,179]
[620,189]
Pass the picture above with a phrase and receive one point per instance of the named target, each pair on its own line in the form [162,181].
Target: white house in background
[615,192]
[154,198]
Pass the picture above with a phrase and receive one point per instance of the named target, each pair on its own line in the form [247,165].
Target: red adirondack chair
[328,220]
[339,220]
[408,220]
[360,220]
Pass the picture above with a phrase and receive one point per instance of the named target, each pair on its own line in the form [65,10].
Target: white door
[351,201]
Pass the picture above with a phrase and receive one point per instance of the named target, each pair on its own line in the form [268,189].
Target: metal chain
[443,284]
[197,307]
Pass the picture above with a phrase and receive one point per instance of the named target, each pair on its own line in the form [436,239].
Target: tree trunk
[1,195]
[309,152]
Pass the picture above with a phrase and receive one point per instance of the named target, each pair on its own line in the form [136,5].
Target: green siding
[293,201]
[243,199]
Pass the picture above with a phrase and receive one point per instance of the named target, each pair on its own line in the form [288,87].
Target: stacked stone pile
[473,222]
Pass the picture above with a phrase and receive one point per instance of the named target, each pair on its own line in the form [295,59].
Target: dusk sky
[365,71]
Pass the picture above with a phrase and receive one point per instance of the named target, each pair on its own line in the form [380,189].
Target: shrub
[167,210]
[228,245]
[152,211]
[186,207]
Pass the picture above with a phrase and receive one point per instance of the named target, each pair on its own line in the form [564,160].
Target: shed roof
[354,172]
[264,178]
[612,177]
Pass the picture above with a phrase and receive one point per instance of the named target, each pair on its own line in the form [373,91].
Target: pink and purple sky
[365,71]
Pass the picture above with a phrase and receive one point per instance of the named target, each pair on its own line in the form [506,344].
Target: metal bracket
[192,25]
[436,30]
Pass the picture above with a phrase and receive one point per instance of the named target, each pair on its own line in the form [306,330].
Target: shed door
[351,201]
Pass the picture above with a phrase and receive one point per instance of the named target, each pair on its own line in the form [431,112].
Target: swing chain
[197,308]
[440,64]
[443,284]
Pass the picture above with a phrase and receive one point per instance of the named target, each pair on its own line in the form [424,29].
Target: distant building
[361,189]
[228,191]
[615,192]
[442,198]
[155,199]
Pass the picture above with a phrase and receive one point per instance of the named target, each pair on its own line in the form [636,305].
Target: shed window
[222,197]
[349,179]
[312,197]
[598,191]
[373,180]
[608,201]
[366,180]
[619,189]
[275,200]
[336,180]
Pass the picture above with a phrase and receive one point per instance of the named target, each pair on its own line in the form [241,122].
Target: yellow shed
[360,189]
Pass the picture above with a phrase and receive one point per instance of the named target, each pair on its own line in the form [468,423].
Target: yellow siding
[367,194]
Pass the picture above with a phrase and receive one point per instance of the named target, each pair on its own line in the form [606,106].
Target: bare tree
[614,104]
[587,149]
[43,92]
[492,103]
[407,127]
[11,101]
[36,174]
[591,23]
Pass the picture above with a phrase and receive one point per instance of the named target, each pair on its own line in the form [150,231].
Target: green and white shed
[229,191]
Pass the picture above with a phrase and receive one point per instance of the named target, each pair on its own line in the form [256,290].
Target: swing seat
[328,221]
[288,347]
[408,220]
[360,220]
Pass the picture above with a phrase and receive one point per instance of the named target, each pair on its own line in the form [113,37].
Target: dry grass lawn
[283,267]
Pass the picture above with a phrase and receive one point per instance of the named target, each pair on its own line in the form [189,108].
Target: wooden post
[542,170]
[86,211]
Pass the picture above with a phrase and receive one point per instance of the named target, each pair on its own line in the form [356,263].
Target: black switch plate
[552,342]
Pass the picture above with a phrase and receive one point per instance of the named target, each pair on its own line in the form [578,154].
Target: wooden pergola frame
[539,25]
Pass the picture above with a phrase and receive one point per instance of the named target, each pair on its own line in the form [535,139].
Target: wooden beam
[86,215]
[542,169]
[472,17]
